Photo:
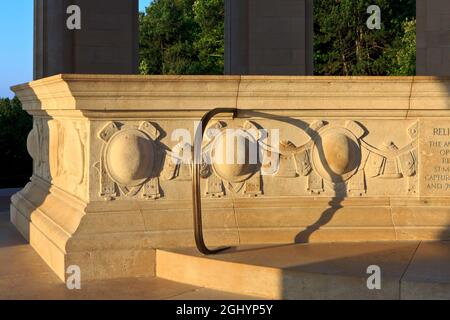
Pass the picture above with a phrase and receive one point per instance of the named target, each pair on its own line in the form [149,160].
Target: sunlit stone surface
[337,172]
[235,156]
[338,153]
[130,158]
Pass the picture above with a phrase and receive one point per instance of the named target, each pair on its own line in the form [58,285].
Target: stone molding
[199,93]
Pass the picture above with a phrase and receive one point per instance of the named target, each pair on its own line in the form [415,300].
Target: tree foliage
[187,37]
[210,16]
[182,37]
[403,52]
[344,45]
[15,163]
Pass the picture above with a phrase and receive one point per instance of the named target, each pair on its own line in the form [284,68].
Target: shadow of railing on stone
[338,184]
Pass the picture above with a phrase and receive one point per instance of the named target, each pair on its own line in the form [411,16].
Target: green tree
[403,52]
[182,37]
[15,163]
[187,37]
[344,45]
[210,16]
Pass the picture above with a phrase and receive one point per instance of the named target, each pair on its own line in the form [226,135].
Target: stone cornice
[198,93]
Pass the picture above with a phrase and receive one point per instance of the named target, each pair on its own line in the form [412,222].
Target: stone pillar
[107,42]
[433,37]
[263,37]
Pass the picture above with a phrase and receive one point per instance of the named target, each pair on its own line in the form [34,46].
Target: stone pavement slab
[25,276]
[408,270]
[429,272]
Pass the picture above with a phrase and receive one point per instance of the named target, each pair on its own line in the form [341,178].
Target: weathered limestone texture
[107,41]
[433,37]
[358,159]
[263,37]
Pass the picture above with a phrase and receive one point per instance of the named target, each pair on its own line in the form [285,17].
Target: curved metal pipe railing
[196,168]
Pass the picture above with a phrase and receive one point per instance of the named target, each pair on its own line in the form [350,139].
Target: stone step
[316,271]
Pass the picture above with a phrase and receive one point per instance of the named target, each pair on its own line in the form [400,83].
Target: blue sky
[16,42]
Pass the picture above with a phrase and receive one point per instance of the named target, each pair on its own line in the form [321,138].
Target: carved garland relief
[133,160]
[339,155]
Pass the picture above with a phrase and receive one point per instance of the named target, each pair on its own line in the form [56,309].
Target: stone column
[433,37]
[264,37]
[107,42]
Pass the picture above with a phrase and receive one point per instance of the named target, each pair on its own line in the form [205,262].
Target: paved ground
[408,270]
[418,270]
[24,275]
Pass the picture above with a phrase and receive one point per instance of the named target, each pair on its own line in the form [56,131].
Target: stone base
[341,159]
[116,240]
[49,220]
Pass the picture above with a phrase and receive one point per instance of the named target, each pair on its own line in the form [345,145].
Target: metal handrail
[196,168]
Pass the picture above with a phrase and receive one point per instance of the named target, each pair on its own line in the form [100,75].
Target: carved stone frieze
[336,157]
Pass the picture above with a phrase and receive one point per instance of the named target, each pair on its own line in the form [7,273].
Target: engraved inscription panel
[435,153]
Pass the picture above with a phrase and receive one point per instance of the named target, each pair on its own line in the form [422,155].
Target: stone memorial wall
[339,159]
